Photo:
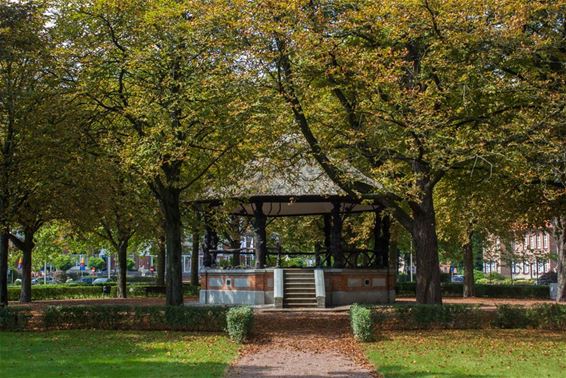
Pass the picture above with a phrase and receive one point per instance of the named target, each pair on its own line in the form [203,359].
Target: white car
[100,280]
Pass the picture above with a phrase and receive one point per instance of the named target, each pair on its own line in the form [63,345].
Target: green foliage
[130,263]
[362,322]
[97,263]
[508,316]
[81,291]
[543,316]
[45,292]
[439,316]
[178,318]
[549,316]
[487,290]
[14,318]
[63,261]
[239,321]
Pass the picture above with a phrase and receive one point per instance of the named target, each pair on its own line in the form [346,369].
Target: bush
[439,316]
[489,291]
[143,290]
[239,322]
[548,316]
[13,319]
[45,292]
[508,316]
[362,322]
[124,317]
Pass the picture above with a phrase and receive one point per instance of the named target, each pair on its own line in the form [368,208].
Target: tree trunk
[160,280]
[123,268]
[170,206]
[426,252]
[27,249]
[469,286]
[559,225]
[4,268]
[194,256]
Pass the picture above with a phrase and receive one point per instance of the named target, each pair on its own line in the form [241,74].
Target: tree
[117,210]
[164,75]
[31,121]
[405,91]
[481,205]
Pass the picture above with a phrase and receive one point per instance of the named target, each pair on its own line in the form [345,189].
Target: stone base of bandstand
[339,287]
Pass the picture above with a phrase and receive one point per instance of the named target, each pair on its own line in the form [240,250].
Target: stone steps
[299,288]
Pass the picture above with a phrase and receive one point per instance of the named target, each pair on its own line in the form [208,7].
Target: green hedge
[178,318]
[362,322]
[543,316]
[57,292]
[488,291]
[365,321]
[239,321]
[47,292]
[14,319]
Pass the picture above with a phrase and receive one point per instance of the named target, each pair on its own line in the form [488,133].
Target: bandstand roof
[293,188]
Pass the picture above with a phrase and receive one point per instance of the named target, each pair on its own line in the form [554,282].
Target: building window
[532,241]
[526,241]
[541,266]
[539,241]
[186,263]
[489,267]
[526,267]
[516,268]
[545,241]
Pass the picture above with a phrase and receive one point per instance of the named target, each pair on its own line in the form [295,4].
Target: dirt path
[293,344]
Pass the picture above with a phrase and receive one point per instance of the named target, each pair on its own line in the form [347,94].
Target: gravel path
[301,344]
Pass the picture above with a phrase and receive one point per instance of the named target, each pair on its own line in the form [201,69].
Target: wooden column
[195,249]
[210,241]
[327,238]
[235,241]
[381,234]
[260,224]
[336,236]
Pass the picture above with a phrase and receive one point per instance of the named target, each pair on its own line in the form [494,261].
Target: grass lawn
[114,354]
[469,353]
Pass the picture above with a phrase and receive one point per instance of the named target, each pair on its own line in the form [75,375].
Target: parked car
[457,278]
[100,280]
[42,280]
[84,280]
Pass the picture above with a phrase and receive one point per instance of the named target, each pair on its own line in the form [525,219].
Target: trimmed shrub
[14,319]
[177,318]
[439,316]
[488,291]
[44,292]
[509,316]
[548,316]
[84,291]
[362,322]
[239,321]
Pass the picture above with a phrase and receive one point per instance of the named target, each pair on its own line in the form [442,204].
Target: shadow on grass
[394,371]
[265,371]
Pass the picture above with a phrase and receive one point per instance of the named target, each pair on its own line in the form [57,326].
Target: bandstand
[338,275]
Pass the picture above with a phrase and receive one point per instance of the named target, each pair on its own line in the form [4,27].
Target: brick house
[527,257]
